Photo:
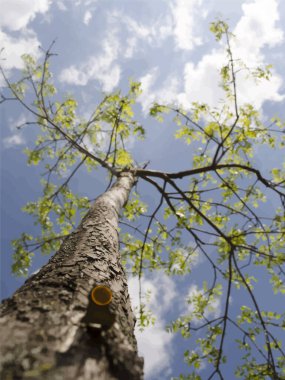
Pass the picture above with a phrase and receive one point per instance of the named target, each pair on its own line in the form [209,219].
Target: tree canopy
[225,202]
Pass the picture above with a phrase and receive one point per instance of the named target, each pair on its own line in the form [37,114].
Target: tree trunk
[44,330]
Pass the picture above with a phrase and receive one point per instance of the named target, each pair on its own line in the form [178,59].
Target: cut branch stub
[98,315]
[101,295]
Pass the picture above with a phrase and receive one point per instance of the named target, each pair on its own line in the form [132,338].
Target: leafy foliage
[219,205]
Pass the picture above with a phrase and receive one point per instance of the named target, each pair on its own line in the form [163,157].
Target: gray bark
[44,333]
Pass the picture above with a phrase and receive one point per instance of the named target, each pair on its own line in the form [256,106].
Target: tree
[217,202]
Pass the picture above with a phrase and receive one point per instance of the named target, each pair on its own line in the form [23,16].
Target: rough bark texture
[43,335]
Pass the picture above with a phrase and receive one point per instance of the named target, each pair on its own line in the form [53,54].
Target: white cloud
[201,83]
[61,6]
[154,345]
[14,140]
[87,17]
[162,292]
[166,94]
[17,138]
[101,67]
[201,80]
[155,339]
[19,122]
[179,21]
[14,48]
[85,2]
[148,96]
[16,14]
[256,29]
[185,15]
[15,17]
[131,45]
[169,90]
[153,33]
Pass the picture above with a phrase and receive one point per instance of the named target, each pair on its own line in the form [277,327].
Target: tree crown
[220,201]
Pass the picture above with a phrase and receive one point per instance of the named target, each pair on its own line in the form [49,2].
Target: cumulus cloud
[61,6]
[148,96]
[85,2]
[101,67]
[179,22]
[154,32]
[14,48]
[130,48]
[155,339]
[185,16]
[16,14]
[154,346]
[256,29]
[15,17]
[17,123]
[87,17]
[140,33]
[201,80]
[16,139]
[151,92]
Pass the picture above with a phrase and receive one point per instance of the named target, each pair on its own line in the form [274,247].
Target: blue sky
[165,44]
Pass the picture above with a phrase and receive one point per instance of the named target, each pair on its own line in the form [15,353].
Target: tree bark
[44,333]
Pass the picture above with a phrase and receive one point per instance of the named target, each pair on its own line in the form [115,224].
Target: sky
[101,44]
